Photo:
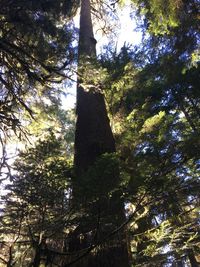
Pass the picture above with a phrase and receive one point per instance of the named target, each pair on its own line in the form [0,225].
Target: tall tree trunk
[93,138]
[93,135]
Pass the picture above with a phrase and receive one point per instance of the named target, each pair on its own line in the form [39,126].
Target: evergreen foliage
[36,49]
[36,216]
[153,102]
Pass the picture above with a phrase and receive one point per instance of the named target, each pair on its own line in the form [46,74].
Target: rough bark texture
[93,137]
[93,133]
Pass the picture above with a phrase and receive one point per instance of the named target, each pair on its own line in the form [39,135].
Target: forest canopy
[115,182]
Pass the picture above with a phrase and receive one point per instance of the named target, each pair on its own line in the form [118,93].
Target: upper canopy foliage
[35,46]
[162,16]
[153,97]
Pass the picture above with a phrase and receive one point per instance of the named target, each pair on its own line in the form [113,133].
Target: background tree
[36,51]
[37,211]
[156,133]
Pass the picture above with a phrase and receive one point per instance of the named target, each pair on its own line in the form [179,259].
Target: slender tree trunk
[192,259]
[93,138]
[180,263]
[37,258]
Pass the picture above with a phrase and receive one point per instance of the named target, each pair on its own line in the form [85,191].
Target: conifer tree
[96,167]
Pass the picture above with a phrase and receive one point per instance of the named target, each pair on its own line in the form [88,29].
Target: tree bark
[93,135]
[37,257]
[93,138]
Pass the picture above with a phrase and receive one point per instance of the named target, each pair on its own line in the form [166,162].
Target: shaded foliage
[36,50]
[36,216]
[154,105]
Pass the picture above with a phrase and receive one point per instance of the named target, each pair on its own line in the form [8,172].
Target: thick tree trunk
[93,135]
[93,138]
